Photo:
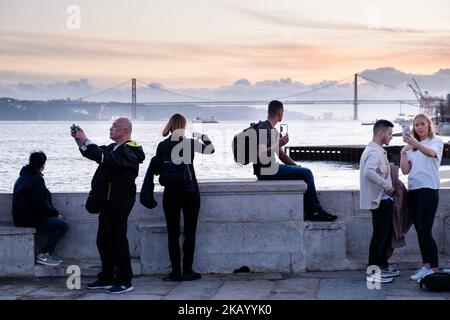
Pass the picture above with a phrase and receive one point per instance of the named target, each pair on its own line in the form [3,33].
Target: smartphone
[405,128]
[283,129]
[196,135]
[74,128]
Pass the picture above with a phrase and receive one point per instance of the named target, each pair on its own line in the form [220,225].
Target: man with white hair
[113,193]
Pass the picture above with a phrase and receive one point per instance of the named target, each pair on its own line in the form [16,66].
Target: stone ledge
[322,225]
[251,186]
[12,230]
[156,228]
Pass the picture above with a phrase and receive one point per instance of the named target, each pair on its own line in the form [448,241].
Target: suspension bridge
[288,100]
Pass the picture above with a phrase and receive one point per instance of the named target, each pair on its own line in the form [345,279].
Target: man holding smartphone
[289,170]
[115,189]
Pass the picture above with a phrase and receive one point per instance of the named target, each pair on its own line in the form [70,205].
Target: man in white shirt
[376,195]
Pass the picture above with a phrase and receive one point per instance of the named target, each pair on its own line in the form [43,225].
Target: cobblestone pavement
[341,285]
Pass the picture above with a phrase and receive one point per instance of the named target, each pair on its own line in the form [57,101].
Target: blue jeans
[289,172]
[56,227]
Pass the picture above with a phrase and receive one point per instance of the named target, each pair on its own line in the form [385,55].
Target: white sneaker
[374,278]
[429,271]
[419,274]
[388,273]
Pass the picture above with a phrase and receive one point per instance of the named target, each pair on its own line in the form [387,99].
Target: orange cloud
[209,64]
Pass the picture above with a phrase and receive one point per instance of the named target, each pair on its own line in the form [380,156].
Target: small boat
[200,120]
[403,118]
[371,123]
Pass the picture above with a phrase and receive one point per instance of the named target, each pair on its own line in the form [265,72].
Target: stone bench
[16,251]
[251,223]
[241,222]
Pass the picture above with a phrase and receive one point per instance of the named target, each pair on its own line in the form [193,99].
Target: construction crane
[428,105]
[438,109]
[417,92]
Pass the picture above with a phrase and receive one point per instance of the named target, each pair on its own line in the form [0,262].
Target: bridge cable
[382,84]
[173,92]
[315,89]
[105,90]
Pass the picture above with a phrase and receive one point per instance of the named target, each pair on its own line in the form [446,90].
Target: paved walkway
[342,285]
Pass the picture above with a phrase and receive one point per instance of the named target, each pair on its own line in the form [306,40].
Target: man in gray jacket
[376,195]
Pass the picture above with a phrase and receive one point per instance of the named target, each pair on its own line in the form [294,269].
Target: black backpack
[243,156]
[437,281]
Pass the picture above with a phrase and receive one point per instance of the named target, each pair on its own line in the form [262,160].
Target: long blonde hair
[176,122]
[431,133]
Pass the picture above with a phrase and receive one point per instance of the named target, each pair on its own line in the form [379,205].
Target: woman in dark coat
[174,163]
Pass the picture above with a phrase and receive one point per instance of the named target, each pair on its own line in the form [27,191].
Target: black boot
[191,275]
[173,276]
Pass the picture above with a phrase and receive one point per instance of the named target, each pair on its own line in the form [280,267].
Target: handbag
[437,281]
[93,204]
[175,175]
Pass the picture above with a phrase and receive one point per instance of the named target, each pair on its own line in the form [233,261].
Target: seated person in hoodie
[32,207]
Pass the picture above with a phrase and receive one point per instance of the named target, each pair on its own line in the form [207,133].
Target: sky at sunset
[201,43]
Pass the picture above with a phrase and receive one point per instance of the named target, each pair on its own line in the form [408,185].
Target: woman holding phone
[420,160]
[174,161]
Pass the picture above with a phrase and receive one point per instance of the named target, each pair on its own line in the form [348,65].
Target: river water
[67,171]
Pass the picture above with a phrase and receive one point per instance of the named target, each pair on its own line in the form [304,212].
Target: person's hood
[28,171]
[136,149]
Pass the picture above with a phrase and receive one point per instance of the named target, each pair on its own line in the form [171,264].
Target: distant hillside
[68,110]
[389,82]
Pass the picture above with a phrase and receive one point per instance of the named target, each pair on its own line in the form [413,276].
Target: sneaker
[120,288]
[190,276]
[373,278]
[419,274]
[56,258]
[100,284]
[47,259]
[389,273]
[320,215]
[173,277]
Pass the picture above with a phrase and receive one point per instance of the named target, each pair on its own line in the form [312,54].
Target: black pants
[382,233]
[112,244]
[173,202]
[423,204]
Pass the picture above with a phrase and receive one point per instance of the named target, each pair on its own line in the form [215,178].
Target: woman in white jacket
[420,159]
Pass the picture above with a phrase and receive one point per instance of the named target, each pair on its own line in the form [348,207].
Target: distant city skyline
[207,44]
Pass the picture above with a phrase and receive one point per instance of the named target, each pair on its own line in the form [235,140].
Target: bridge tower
[355,99]
[133,99]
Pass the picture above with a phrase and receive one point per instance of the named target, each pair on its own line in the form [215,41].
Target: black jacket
[163,151]
[114,180]
[32,202]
